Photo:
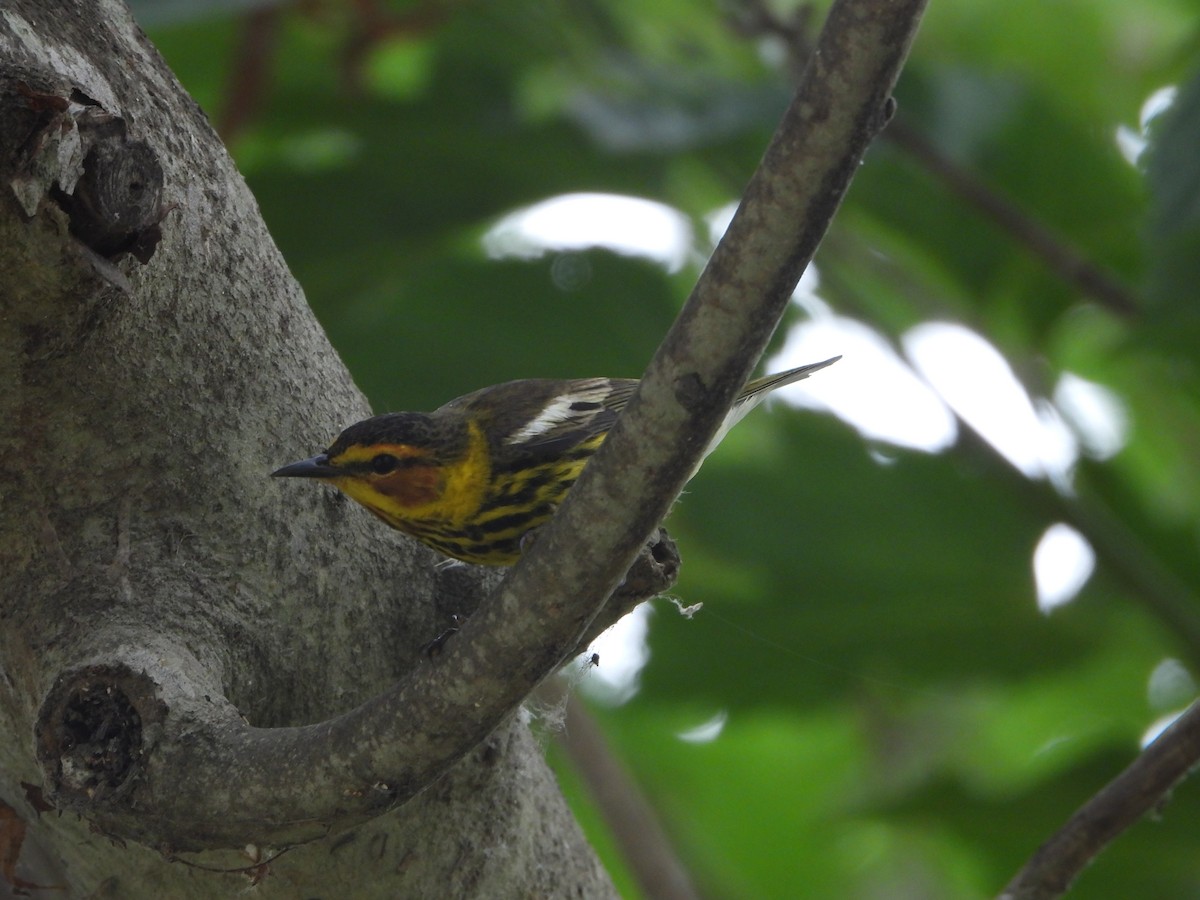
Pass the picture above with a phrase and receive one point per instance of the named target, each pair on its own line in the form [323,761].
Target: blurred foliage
[902,721]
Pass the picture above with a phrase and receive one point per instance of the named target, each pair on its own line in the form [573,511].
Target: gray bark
[193,658]
[142,407]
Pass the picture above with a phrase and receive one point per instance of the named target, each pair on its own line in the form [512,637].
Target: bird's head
[391,464]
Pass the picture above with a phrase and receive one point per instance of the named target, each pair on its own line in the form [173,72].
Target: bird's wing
[548,417]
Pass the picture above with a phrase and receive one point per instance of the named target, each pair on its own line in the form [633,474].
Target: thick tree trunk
[150,571]
[192,658]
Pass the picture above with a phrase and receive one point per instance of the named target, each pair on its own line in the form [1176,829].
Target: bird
[476,476]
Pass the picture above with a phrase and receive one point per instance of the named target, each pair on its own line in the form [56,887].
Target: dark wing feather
[545,417]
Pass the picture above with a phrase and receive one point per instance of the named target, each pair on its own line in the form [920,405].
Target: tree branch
[134,736]
[142,740]
[841,103]
[1144,785]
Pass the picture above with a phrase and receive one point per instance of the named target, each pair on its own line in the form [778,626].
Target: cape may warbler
[473,477]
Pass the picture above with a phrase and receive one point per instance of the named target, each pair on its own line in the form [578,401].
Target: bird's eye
[383,463]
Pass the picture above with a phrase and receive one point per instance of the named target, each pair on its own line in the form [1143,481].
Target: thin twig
[1121,551]
[629,816]
[1053,249]
[1057,252]
[1144,785]
[249,78]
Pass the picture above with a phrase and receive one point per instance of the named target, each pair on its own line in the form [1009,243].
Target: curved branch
[1145,784]
[842,102]
[137,737]
[288,784]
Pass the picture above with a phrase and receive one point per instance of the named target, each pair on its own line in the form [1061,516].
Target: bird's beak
[316,467]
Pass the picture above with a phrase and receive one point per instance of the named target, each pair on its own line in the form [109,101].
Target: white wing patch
[559,411]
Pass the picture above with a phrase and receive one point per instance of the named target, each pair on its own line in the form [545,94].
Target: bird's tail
[756,391]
